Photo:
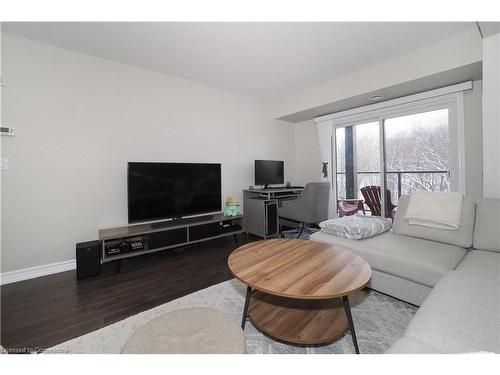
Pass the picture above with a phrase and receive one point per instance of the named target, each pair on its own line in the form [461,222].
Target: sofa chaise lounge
[453,275]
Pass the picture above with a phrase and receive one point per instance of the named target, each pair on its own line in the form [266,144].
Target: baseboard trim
[38,271]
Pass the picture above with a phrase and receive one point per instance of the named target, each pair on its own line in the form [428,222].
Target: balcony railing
[399,175]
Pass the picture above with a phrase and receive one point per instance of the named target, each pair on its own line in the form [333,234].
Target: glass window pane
[340,161]
[357,163]
[340,142]
[367,156]
[367,147]
[417,152]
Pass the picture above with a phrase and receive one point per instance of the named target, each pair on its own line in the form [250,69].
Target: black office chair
[311,207]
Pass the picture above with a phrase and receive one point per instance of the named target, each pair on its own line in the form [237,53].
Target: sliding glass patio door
[403,145]
[399,152]
[357,152]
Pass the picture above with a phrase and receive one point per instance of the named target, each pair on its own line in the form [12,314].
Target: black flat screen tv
[269,172]
[159,191]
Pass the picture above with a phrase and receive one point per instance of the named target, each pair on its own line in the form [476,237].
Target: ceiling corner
[488,28]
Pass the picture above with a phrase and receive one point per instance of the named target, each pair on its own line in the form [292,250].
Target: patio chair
[373,201]
[348,207]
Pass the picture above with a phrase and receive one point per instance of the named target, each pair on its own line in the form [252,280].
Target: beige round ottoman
[188,331]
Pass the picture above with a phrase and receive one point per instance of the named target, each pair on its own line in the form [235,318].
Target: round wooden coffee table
[297,290]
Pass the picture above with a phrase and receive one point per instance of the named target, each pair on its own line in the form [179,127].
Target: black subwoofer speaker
[88,259]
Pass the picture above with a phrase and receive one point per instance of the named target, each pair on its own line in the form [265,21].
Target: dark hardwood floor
[46,311]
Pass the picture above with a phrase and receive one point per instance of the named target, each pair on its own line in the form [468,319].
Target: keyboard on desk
[294,187]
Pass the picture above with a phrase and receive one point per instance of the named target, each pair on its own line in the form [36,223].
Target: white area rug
[379,321]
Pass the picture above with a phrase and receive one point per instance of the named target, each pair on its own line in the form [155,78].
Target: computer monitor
[268,172]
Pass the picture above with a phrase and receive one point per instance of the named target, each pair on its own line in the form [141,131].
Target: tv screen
[165,190]
[269,172]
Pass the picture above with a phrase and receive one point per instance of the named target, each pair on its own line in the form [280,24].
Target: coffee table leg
[245,309]
[347,308]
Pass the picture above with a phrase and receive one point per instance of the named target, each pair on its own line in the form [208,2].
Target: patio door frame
[450,98]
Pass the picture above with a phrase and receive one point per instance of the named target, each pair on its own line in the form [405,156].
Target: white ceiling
[258,59]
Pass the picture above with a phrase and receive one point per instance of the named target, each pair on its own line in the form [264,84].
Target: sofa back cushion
[487,227]
[461,237]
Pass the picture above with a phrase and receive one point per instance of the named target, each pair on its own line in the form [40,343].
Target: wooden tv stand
[166,235]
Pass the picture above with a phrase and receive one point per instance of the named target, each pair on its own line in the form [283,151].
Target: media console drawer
[167,238]
[200,232]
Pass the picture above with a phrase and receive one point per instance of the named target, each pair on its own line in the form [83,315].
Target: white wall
[308,158]
[79,119]
[446,54]
[491,116]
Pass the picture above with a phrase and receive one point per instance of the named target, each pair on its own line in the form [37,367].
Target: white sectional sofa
[453,275]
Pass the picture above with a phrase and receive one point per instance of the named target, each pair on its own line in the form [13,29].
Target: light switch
[4,164]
